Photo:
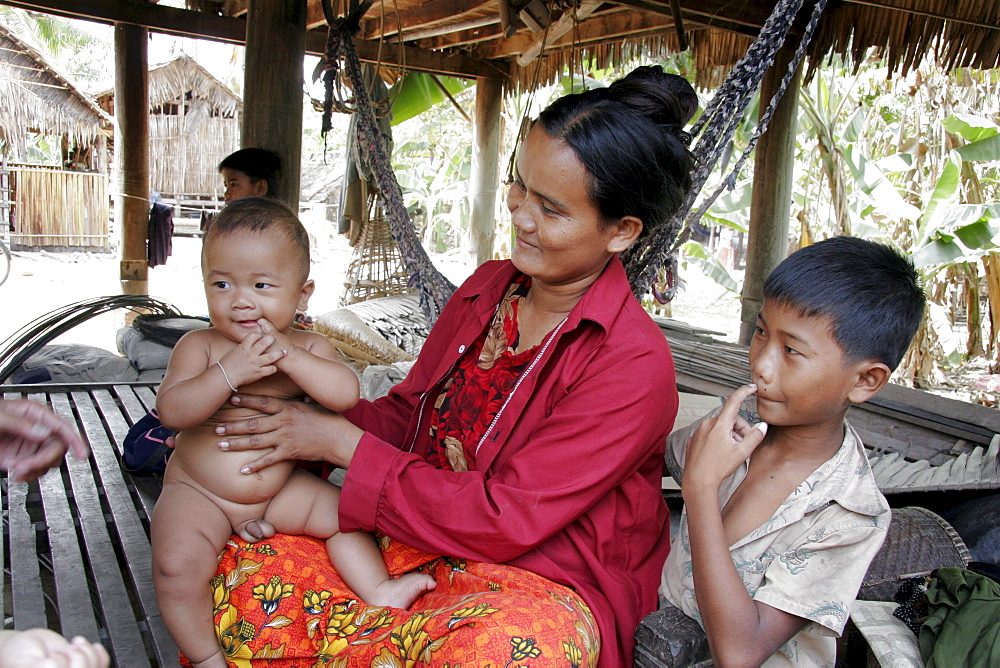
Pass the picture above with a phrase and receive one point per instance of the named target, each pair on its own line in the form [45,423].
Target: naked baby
[255,264]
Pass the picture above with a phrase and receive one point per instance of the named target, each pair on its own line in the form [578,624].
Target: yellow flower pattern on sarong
[282,605]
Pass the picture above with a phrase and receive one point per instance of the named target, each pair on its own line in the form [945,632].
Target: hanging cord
[434,289]
[715,130]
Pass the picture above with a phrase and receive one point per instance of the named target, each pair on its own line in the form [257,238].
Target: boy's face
[800,370]
[249,276]
[239,186]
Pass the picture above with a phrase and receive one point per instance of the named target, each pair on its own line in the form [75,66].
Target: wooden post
[272,81]
[132,155]
[485,167]
[771,201]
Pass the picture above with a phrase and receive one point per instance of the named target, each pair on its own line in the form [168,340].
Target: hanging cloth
[160,234]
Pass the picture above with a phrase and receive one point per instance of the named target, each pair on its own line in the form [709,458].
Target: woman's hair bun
[666,99]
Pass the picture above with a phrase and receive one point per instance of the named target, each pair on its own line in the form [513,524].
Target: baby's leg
[308,505]
[188,532]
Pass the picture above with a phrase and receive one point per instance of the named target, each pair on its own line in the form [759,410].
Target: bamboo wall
[60,208]
[184,160]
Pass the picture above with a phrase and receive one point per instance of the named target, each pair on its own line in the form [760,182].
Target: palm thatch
[194,123]
[958,33]
[36,98]
[901,31]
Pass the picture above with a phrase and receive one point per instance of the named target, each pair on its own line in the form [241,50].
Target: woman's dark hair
[257,163]
[630,138]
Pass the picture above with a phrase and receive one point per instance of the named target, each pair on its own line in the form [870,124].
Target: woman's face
[559,238]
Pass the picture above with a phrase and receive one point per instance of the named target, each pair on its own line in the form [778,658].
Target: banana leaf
[417,92]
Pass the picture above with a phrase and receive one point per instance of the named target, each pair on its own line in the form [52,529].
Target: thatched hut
[63,204]
[194,122]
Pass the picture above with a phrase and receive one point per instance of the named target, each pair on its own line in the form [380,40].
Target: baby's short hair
[869,291]
[258,214]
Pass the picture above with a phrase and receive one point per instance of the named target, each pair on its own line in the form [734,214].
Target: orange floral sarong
[282,604]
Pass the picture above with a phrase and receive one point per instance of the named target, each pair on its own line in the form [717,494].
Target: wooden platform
[76,553]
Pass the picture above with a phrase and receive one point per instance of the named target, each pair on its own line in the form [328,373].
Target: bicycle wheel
[4,263]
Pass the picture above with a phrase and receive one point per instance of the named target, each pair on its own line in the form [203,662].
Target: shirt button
[461,349]
[688,593]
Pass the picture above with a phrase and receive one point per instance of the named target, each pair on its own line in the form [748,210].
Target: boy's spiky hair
[257,214]
[869,291]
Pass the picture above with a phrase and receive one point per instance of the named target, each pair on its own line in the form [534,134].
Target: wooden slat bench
[75,544]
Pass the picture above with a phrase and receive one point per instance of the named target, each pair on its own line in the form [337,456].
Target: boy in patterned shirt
[781,512]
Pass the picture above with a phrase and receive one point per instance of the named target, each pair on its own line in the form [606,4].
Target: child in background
[250,172]
[255,263]
[782,516]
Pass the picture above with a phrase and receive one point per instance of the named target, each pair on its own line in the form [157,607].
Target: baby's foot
[253,531]
[402,591]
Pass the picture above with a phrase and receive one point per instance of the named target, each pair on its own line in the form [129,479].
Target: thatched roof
[502,34]
[37,98]
[174,80]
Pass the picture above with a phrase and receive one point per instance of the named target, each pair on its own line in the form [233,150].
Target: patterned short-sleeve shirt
[808,560]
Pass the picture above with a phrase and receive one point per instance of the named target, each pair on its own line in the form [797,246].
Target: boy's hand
[41,648]
[251,360]
[721,444]
[33,439]
[282,344]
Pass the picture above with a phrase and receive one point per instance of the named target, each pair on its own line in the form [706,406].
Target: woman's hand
[295,429]
[721,444]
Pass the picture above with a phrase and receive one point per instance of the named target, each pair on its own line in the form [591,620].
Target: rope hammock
[644,261]
[714,130]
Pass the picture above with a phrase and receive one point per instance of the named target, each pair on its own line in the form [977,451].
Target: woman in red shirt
[526,443]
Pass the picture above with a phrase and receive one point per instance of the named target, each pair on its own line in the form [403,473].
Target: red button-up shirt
[567,482]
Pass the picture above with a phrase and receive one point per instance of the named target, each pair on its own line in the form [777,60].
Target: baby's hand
[721,444]
[251,360]
[281,344]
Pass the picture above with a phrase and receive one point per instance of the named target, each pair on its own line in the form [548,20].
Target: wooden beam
[484,180]
[132,155]
[235,7]
[771,199]
[159,18]
[186,23]
[557,30]
[414,58]
[490,33]
[421,15]
[272,81]
[434,31]
[596,29]
[742,22]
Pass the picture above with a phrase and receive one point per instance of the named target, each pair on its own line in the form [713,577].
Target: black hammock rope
[434,289]
[714,130]
[656,252]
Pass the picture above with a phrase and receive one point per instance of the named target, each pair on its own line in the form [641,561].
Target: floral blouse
[479,385]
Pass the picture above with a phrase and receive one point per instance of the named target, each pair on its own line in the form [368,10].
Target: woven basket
[918,542]
[376,268]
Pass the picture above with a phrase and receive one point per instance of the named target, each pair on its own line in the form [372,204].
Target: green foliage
[417,92]
[696,254]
